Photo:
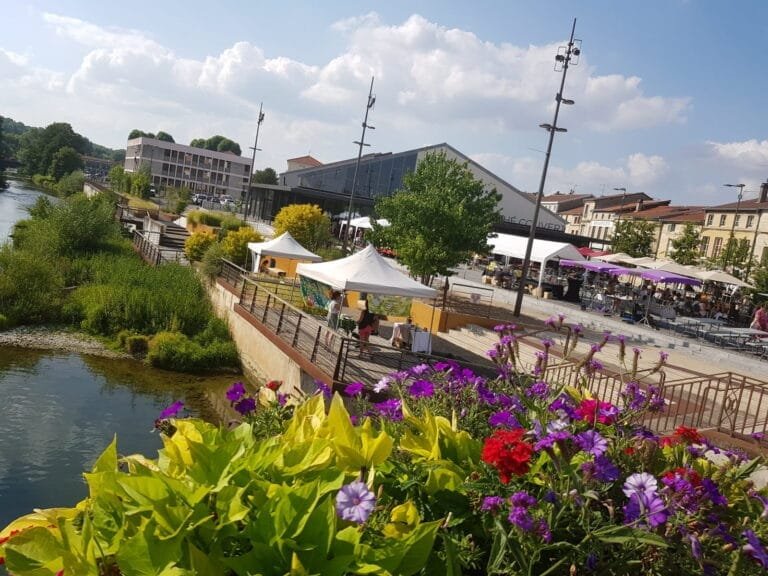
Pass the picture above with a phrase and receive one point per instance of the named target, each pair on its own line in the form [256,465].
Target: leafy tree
[235,244]
[178,198]
[440,217]
[41,209]
[760,277]
[38,146]
[687,246]
[141,182]
[198,143]
[136,133]
[71,184]
[164,136]
[634,237]
[65,161]
[218,143]
[116,178]
[266,176]
[197,244]
[307,223]
[735,255]
[227,145]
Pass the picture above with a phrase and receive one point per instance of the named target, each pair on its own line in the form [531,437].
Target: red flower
[629,450]
[690,435]
[594,410]
[508,453]
[274,385]
[691,475]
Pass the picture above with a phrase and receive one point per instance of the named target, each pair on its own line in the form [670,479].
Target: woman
[760,319]
[334,309]
[366,324]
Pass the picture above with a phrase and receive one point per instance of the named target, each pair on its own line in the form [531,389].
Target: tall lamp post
[731,248]
[565,56]
[360,143]
[255,148]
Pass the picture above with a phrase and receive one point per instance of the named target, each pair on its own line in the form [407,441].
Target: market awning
[593,265]
[542,251]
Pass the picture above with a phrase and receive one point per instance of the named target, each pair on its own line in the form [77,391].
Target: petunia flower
[640,483]
[421,389]
[354,502]
[591,442]
[172,410]
[754,548]
[354,389]
[246,405]
[235,392]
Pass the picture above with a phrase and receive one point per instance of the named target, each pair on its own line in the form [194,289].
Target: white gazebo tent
[284,246]
[365,271]
[723,277]
[363,222]
[542,252]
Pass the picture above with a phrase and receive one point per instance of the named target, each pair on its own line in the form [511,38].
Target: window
[736,219]
[709,219]
[750,221]
[671,227]
[716,247]
[704,244]
[722,219]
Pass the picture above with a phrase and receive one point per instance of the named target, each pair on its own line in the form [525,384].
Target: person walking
[334,310]
[367,322]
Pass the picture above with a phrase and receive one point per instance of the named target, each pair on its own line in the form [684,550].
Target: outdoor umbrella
[668,277]
[618,257]
[721,276]
[592,265]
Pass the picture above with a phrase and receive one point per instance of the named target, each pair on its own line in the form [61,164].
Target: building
[671,228]
[330,185]
[597,215]
[561,203]
[175,165]
[746,220]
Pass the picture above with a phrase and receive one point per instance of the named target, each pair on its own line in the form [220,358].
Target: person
[264,265]
[334,309]
[367,322]
[402,337]
[760,319]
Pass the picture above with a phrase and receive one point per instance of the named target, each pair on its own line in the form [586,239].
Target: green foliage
[735,255]
[440,218]
[307,223]
[213,219]
[329,253]
[31,287]
[176,351]
[137,344]
[164,136]
[218,143]
[760,277]
[70,184]
[44,181]
[178,198]
[230,223]
[141,182]
[266,176]
[235,244]
[136,133]
[197,244]
[688,246]
[634,237]
[41,209]
[39,146]
[4,322]
[211,262]
[119,179]
[65,161]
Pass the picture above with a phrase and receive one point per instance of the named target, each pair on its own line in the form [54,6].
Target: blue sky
[668,93]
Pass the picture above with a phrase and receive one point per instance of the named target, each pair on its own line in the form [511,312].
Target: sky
[669,94]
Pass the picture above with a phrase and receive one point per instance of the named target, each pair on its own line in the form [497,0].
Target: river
[14,202]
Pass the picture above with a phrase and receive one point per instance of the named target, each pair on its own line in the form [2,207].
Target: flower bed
[451,474]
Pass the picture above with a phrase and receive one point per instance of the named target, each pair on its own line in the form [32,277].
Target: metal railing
[154,254]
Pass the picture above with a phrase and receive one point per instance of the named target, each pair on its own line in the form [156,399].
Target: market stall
[542,252]
[281,254]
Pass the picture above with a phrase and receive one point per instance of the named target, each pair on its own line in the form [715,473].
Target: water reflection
[59,411]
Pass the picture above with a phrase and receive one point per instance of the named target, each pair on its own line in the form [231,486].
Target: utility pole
[360,143]
[731,247]
[255,148]
[564,56]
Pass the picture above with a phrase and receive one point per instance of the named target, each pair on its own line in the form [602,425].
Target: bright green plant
[176,351]
[196,245]
[235,244]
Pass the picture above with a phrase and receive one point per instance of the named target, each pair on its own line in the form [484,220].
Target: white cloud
[750,154]
[644,170]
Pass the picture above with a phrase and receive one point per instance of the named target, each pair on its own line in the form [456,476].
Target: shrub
[175,351]
[216,329]
[137,344]
[211,262]
[70,184]
[31,287]
[231,223]
[235,244]
[196,245]
[4,322]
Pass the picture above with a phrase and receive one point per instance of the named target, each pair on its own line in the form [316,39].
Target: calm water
[14,202]
[59,411]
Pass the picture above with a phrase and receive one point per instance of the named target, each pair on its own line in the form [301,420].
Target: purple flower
[323,388]
[538,389]
[591,442]
[550,496]
[551,322]
[564,404]
[577,328]
[499,327]
[419,369]
[492,503]
[591,562]
[663,356]
[503,418]
[645,509]
[695,547]
[594,365]
[522,499]
[382,384]
[355,502]
[522,519]
[605,470]
[754,548]
[391,409]
[713,493]
[282,399]
[246,405]
[547,342]
[235,392]
[506,340]
[493,353]
[172,410]
[354,389]
[550,439]
[421,389]
[640,483]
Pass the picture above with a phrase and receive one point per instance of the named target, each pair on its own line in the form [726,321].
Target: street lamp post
[731,248]
[565,55]
[255,148]
[360,143]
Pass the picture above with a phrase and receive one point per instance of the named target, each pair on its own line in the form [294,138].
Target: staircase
[172,243]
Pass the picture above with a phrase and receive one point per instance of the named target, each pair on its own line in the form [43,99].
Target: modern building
[330,185]
[747,220]
[175,165]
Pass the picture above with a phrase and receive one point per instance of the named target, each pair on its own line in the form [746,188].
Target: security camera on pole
[566,55]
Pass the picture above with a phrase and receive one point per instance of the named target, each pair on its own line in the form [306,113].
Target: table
[417,340]
[422,342]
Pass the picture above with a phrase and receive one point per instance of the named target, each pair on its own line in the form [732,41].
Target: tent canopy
[674,267]
[668,277]
[618,257]
[365,271]
[365,222]
[593,265]
[284,246]
[720,276]
[542,250]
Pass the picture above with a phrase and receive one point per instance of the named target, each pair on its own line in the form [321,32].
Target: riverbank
[53,338]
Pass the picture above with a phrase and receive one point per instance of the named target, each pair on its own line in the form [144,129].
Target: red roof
[307,160]
[573,211]
[588,252]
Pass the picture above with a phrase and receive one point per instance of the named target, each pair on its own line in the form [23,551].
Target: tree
[136,133]
[164,136]
[735,255]
[634,237]
[197,244]
[227,145]
[2,155]
[218,143]
[177,198]
[307,223]
[687,246]
[65,161]
[198,143]
[116,178]
[71,184]
[440,218]
[141,182]
[266,176]
[38,146]
[235,244]
[760,277]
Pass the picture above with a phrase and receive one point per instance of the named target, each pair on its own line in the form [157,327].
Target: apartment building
[747,220]
[597,217]
[204,171]
[560,203]
[671,228]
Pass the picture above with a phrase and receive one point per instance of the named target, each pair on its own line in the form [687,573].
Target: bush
[196,245]
[4,322]
[216,329]
[235,244]
[137,344]
[330,253]
[70,184]
[211,262]
[175,351]
[31,287]
[231,224]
